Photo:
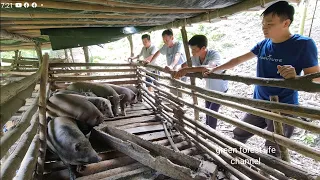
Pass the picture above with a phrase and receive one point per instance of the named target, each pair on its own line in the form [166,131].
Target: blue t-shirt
[298,51]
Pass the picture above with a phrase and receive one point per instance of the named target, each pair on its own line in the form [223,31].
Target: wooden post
[14,64]
[39,52]
[86,56]
[192,79]
[66,55]
[71,54]
[278,128]
[131,45]
[42,116]
[304,15]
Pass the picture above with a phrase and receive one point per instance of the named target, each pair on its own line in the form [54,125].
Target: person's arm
[289,72]
[152,57]
[311,70]
[234,62]
[175,60]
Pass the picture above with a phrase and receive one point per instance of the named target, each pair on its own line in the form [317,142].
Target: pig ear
[121,96]
[77,147]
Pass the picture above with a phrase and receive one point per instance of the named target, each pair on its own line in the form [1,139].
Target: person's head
[276,19]
[198,44]
[167,36]
[146,40]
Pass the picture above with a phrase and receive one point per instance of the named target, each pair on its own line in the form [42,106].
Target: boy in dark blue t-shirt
[280,55]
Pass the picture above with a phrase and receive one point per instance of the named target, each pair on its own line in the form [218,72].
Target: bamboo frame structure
[313,113]
[305,150]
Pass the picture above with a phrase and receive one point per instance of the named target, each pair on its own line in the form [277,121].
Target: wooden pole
[88,78]
[314,12]
[192,79]
[278,128]
[304,15]
[131,45]
[14,64]
[42,116]
[71,54]
[39,52]
[66,55]
[63,65]
[86,57]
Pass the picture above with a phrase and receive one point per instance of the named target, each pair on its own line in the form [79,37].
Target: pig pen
[156,139]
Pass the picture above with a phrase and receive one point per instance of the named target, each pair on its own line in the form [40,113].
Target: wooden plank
[137,125]
[156,135]
[60,85]
[122,122]
[111,172]
[144,129]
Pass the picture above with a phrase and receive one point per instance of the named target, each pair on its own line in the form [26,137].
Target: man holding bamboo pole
[280,55]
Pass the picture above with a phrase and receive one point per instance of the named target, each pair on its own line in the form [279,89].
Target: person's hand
[145,62]
[130,59]
[179,74]
[287,71]
[207,71]
[168,69]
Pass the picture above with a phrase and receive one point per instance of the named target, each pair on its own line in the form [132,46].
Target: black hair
[199,41]
[167,32]
[282,9]
[145,36]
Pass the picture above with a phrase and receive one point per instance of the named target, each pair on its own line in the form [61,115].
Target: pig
[101,90]
[69,143]
[129,96]
[103,104]
[136,91]
[76,107]
[90,94]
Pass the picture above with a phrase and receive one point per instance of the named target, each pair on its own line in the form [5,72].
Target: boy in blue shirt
[280,55]
[203,58]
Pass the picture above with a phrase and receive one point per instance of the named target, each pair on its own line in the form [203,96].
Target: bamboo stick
[8,169]
[313,113]
[62,71]
[29,161]
[42,116]
[86,57]
[258,112]
[12,136]
[99,8]
[131,45]
[40,15]
[13,48]
[9,23]
[7,35]
[174,147]
[77,78]
[54,65]
[305,150]
[278,128]
[192,79]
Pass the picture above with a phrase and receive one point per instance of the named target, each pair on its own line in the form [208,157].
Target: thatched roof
[74,23]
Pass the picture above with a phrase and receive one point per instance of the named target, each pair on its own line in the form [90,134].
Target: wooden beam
[95,7]
[13,48]
[71,15]
[88,78]
[42,115]
[53,65]
[7,23]
[17,37]
[62,71]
